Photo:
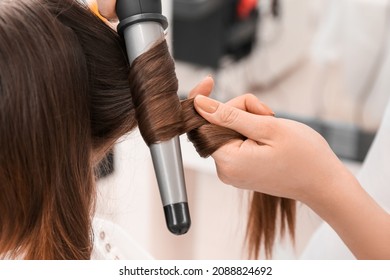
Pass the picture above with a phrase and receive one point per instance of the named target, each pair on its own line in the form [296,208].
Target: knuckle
[251,99]
[224,177]
[228,115]
[250,96]
[225,173]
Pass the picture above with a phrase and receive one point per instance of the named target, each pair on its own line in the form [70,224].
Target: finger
[250,103]
[203,88]
[107,9]
[259,128]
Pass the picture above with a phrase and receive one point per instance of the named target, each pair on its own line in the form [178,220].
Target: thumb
[250,125]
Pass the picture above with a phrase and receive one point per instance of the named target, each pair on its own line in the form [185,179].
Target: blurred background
[321,62]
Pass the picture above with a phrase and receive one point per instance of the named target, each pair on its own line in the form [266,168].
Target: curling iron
[142,25]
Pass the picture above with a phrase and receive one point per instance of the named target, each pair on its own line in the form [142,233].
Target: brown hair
[66,96]
[160,117]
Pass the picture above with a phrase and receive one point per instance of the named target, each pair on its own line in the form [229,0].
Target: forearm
[360,222]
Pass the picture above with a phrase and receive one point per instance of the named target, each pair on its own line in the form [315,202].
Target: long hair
[66,96]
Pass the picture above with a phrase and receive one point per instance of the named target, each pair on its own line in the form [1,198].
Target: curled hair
[160,117]
[67,94]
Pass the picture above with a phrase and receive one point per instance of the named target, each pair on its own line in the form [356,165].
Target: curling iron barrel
[142,25]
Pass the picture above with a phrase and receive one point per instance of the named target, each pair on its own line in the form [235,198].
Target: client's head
[64,100]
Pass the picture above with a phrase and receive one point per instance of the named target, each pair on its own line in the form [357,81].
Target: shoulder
[111,242]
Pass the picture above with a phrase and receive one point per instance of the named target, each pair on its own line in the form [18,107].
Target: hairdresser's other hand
[280,157]
[107,9]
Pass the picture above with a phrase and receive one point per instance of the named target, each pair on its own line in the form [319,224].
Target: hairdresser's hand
[280,157]
[288,159]
[107,9]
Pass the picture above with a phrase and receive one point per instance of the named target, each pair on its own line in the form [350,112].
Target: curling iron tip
[177,217]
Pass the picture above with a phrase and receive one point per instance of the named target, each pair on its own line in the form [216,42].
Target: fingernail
[269,109]
[207,77]
[206,104]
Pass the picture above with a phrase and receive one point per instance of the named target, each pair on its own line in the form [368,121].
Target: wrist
[330,189]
